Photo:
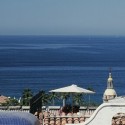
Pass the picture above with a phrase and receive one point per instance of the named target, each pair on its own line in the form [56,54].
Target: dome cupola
[109,93]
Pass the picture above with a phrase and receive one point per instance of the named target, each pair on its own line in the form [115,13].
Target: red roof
[3,99]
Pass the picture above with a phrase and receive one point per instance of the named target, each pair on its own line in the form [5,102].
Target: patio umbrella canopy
[72,89]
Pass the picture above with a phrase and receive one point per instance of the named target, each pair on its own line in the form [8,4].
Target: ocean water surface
[50,62]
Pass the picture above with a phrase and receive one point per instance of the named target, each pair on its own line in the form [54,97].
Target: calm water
[49,62]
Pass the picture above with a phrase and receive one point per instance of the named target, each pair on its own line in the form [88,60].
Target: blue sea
[50,62]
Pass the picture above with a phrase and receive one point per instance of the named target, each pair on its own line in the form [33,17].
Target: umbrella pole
[72,101]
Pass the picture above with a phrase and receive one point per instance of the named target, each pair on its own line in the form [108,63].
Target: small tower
[109,93]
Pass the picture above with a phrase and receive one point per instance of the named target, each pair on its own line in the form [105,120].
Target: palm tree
[44,98]
[53,96]
[65,96]
[78,99]
[26,96]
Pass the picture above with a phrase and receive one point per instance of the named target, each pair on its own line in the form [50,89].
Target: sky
[62,17]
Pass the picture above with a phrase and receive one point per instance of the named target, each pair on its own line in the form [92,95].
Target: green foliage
[11,102]
[44,98]
[78,99]
[26,96]
[52,97]
[64,96]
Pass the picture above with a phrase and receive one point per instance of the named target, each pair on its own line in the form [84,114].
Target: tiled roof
[3,99]
[47,118]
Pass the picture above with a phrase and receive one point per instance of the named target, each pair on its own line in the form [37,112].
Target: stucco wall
[104,113]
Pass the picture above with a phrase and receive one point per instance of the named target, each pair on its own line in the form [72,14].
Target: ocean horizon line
[61,35]
[61,68]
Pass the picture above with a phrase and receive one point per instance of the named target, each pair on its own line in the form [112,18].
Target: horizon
[92,36]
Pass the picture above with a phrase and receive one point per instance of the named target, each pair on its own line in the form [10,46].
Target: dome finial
[110,73]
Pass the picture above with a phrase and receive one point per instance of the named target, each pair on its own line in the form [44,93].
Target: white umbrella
[72,89]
